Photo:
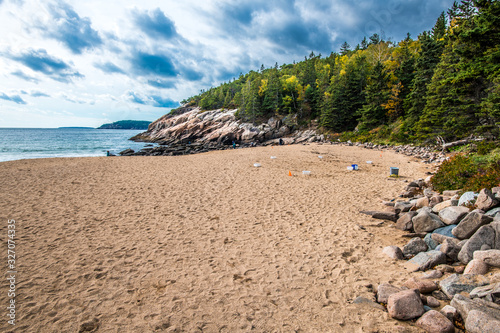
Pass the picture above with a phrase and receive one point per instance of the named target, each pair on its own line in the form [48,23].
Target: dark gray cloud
[109,68]
[153,100]
[52,67]
[155,24]
[297,27]
[146,64]
[24,76]
[13,98]
[75,32]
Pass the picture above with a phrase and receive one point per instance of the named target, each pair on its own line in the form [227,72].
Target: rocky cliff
[221,127]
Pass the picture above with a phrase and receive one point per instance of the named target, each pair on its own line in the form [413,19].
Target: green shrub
[454,173]
[468,173]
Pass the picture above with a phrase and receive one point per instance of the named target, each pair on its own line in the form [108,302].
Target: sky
[86,63]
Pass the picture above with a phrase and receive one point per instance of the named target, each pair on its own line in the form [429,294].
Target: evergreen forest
[445,83]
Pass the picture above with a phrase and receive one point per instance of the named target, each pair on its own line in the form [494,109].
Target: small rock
[423,286]
[435,199]
[459,269]
[455,284]
[450,312]
[435,322]
[438,238]
[384,291]
[445,268]
[366,301]
[385,216]
[426,221]
[450,193]
[393,252]
[470,224]
[405,221]
[486,200]
[493,212]
[414,246]
[485,235]
[453,214]
[445,231]
[431,244]
[438,294]
[450,249]
[434,274]
[490,257]
[442,205]
[422,202]
[476,266]
[466,198]
[426,260]
[433,302]
[403,206]
[405,305]
[490,293]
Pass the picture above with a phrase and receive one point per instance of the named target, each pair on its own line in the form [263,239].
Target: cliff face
[218,126]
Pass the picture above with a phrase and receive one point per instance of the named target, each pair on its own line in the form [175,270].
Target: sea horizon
[17,143]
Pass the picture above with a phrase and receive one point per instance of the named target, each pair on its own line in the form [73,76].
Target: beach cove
[204,242]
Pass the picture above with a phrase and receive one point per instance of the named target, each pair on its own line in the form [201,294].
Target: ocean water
[23,143]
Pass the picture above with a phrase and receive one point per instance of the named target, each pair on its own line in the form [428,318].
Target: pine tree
[425,65]
[345,48]
[373,113]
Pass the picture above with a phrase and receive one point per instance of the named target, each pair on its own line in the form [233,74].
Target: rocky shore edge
[455,242]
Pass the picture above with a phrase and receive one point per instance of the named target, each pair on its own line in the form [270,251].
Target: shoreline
[137,243]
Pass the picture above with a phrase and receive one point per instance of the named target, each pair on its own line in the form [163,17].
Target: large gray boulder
[455,284]
[453,214]
[470,224]
[484,236]
[442,205]
[490,293]
[426,221]
[486,200]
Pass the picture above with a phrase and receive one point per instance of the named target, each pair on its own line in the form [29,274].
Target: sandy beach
[202,243]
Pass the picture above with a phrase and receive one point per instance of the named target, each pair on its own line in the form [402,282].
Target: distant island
[127,124]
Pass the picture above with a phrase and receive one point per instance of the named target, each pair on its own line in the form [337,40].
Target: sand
[202,242]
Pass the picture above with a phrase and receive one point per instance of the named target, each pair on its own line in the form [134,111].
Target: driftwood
[446,146]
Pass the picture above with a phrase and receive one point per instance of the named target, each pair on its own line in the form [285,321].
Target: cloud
[39,94]
[69,28]
[40,61]
[146,64]
[24,76]
[109,68]
[155,24]
[153,100]
[157,83]
[13,98]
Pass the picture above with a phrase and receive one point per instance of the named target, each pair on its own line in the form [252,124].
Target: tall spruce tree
[373,113]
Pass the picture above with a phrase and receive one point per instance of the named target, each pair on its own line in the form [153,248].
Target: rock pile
[455,240]
[426,154]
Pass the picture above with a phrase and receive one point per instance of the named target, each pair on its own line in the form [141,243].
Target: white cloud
[107,61]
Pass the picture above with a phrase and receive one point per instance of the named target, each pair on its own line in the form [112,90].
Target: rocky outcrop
[192,125]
